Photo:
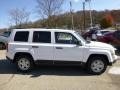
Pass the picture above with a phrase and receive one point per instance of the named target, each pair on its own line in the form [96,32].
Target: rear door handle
[59,48]
[35,47]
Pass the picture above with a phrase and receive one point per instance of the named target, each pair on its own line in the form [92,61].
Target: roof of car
[43,29]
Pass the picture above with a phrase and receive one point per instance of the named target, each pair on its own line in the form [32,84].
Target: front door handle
[59,48]
[35,47]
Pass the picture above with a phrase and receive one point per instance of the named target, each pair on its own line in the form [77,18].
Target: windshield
[104,32]
[5,34]
[79,35]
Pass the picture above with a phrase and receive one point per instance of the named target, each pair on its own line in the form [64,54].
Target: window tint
[21,36]
[65,38]
[104,32]
[42,37]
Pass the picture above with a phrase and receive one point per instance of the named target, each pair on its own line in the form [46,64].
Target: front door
[65,48]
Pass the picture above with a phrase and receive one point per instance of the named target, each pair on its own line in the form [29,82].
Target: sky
[30,6]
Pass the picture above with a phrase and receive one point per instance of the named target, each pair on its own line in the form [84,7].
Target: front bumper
[115,59]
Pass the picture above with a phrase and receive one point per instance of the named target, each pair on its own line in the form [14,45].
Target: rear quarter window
[21,36]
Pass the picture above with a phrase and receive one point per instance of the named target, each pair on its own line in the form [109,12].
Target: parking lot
[56,78]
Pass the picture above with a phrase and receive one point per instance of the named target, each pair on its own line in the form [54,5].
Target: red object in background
[110,19]
[111,38]
[89,33]
[86,34]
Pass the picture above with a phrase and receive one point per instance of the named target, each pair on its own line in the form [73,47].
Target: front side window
[42,37]
[65,38]
[21,36]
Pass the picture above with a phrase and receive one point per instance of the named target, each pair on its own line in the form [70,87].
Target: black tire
[28,63]
[92,65]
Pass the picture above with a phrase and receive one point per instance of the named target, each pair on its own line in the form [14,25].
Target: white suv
[26,47]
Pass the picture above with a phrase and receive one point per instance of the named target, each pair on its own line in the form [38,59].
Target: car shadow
[6,67]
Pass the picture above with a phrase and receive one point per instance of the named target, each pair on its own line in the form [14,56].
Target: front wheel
[97,65]
[24,63]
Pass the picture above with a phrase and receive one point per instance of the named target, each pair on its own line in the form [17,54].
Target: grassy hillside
[64,20]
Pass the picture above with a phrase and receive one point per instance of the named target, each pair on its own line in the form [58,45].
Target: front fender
[98,52]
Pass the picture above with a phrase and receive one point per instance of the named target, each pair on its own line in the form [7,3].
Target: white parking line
[114,70]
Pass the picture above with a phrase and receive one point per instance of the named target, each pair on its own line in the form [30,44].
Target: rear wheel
[25,63]
[97,65]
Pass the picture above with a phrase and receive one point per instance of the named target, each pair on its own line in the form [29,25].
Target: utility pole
[72,17]
[84,16]
[91,21]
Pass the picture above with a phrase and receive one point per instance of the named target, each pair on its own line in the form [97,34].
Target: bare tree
[49,8]
[19,17]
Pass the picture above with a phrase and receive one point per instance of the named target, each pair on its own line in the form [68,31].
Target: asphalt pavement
[56,78]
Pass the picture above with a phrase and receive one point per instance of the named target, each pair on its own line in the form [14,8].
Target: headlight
[112,52]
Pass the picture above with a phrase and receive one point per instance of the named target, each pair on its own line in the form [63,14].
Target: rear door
[42,45]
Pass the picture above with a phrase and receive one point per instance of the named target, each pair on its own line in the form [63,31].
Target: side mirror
[78,43]
[88,41]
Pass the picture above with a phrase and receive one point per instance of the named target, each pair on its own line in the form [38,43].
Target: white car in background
[4,39]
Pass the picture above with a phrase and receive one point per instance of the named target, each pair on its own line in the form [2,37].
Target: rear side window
[42,37]
[21,36]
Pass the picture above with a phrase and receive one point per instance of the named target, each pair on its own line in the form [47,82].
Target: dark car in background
[111,38]
[94,34]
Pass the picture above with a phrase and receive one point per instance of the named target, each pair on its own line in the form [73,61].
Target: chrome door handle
[35,47]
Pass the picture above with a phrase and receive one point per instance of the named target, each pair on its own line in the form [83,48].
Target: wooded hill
[64,20]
